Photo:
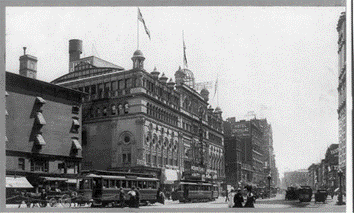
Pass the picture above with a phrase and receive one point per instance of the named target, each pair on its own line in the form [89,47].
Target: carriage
[305,194]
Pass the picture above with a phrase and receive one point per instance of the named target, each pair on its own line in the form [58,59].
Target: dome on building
[185,76]
[217,109]
[205,94]
[138,53]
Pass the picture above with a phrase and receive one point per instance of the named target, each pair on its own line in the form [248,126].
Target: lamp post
[269,178]
[340,196]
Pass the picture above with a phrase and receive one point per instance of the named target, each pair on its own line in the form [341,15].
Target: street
[277,203]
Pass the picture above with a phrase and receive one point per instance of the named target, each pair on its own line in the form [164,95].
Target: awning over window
[40,119]
[40,100]
[76,144]
[40,140]
[72,181]
[55,179]
[170,176]
[17,182]
[76,122]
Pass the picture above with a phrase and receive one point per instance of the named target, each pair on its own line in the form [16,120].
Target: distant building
[342,111]
[296,178]
[43,127]
[254,139]
[331,161]
[138,121]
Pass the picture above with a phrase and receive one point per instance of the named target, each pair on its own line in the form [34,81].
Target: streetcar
[102,188]
[195,191]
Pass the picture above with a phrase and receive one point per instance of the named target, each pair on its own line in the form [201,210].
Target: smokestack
[75,49]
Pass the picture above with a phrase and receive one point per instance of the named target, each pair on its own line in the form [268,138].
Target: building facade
[342,94]
[296,178]
[43,127]
[254,139]
[138,121]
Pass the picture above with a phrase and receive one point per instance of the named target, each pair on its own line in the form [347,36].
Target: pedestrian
[132,195]
[238,199]
[137,198]
[250,198]
[227,195]
[121,197]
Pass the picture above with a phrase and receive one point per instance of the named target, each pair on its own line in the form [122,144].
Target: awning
[76,122]
[170,176]
[40,119]
[17,182]
[55,179]
[72,181]
[40,140]
[76,144]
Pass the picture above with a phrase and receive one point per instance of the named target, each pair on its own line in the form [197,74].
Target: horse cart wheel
[53,202]
[66,201]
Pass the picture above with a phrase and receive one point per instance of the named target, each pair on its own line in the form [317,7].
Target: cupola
[163,78]
[171,84]
[138,60]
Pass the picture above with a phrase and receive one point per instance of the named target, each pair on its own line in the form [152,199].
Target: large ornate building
[144,122]
[342,111]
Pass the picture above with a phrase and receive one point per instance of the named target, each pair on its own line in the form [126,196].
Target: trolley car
[195,191]
[102,188]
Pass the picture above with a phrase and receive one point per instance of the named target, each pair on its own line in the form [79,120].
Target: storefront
[15,185]
[168,178]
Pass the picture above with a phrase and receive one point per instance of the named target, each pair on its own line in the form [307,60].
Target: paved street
[276,204]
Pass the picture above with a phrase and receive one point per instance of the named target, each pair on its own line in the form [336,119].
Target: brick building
[43,127]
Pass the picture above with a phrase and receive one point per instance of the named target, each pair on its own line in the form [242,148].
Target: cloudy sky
[280,62]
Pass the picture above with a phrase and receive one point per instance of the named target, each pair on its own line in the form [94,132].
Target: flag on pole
[140,18]
[216,85]
[184,53]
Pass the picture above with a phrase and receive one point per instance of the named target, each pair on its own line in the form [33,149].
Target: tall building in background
[140,121]
[342,111]
[250,144]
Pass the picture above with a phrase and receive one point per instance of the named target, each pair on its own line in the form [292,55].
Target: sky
[280,62]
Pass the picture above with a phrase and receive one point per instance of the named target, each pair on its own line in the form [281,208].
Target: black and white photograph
[167,107]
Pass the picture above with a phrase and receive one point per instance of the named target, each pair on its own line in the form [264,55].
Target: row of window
[159,160]
[197,188]
[119,109]
[214,138]
[161,114]
[68,167]
[159,91]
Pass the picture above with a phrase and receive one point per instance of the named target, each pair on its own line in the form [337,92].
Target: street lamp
[340,196]
[269,178]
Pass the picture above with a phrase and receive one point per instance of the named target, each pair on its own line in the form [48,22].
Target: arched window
[120,109]
[126,108]
[113,109]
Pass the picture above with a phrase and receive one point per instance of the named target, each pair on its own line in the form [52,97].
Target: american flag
[140,18]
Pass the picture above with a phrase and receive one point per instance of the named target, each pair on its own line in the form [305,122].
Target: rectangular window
[114,85]
[124,184]
[112,184]
[105,183]
[170,162]
[93,89]
[72,167]
[21,163]
[121,84]
[100,90]
[129,157]
[39,166]
[118,183]
[128,83]
[124,158]
[154,160]
[87,89]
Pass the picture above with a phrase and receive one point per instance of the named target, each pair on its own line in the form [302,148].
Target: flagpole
[137,24]
[183,49]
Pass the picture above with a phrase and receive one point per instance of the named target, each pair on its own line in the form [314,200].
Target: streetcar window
[134,183]
[112,184]
[140,184]
[105,183]
[129,184]
[154,185]
[118,183]
[144,183]
[124,184]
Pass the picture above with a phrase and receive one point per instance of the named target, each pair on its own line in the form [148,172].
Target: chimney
[28,65]
[75,49]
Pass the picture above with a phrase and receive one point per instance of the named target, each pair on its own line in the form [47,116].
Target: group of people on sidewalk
[133,199]
[236,199]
